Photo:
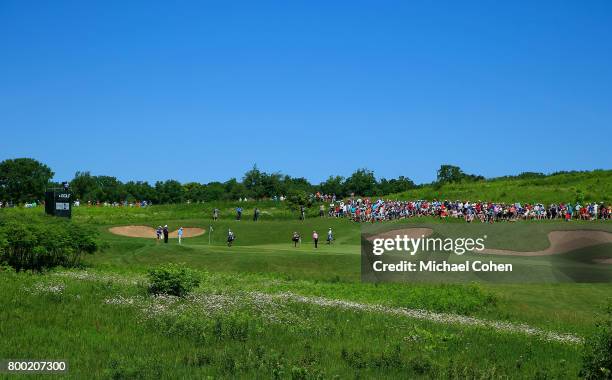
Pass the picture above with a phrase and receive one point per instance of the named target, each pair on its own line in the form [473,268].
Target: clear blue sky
[202,90]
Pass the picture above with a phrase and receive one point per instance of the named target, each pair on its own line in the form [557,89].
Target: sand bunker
[411,233]
[561,242]
[149,232]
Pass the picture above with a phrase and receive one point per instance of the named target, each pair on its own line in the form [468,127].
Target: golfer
[256,214]
[315,238]
[238,213]
[180,234]
[230,237]
[165,231]
[295,238]
[330,236]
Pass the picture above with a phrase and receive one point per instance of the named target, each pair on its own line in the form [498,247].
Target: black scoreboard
[58,202]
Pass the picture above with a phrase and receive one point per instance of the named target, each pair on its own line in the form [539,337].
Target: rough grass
[109,327]
[105,324]
[593,186]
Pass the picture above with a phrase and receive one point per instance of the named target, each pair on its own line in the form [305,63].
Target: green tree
[83,186]
[214,191]
[234,189]
[333,185]
[361,182]
[101,188]
[169,191]
[530,175]
[450,174]
[273,184]
[109,189]
[297,184]
[23,179]
[297,198]
[253,182]
[393,185]
[194,191]
[139,191]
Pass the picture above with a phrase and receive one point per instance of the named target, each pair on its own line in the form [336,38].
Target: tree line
[255,184]
[25,180]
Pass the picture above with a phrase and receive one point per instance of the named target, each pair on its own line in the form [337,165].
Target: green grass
[334,270]
[592,186]
[247,339]
[159,214]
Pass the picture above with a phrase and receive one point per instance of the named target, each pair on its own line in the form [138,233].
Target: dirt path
[149,232]
[560,242]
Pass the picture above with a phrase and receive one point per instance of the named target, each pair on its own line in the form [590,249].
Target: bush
[6,268]
[42,242]
[173,280]
[597,356]
[297,198]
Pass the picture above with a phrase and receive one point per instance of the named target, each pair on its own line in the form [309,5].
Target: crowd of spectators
[373,210]
[365,209]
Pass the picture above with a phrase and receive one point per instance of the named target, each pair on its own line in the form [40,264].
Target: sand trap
[149,232]
[412,233]
[562,241]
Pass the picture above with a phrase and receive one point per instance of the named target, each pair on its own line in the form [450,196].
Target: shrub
[6,268]
[597,355]
[297,198]
[41,242]
[173,280]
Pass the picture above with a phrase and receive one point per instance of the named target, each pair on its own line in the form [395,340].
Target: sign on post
[58,202]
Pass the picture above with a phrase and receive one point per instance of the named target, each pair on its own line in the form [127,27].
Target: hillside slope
[566,187]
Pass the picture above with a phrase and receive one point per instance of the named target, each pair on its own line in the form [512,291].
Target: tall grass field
[263,308]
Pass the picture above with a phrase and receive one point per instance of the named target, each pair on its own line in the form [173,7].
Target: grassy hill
[265,309]
[564,187]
